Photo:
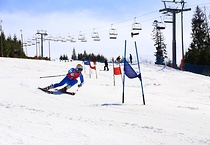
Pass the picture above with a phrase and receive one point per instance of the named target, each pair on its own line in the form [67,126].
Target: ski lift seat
[136,26]
[84,40]
[113,34]
[96,39]
[168,18]
[161,26]
[95,35]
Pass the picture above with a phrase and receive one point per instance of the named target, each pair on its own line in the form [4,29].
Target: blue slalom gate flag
[87,62]
[129,71]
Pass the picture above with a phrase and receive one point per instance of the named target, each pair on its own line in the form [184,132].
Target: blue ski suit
[71,78]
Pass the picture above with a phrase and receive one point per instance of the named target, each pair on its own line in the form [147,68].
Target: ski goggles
[79,69]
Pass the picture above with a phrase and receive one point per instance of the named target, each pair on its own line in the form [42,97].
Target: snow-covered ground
[177,110]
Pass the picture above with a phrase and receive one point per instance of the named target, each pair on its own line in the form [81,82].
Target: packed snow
[177,110]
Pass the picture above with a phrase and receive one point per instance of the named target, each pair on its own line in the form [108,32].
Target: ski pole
[76,90]
[52,76]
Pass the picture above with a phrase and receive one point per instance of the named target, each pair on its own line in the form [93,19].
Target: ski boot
[65,88]
[49,87]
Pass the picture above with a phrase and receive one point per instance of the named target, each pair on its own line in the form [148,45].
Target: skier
[131,58]
[106,65]
[70,79]
[118,59]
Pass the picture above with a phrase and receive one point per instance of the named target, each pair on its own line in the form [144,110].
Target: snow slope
[177,109]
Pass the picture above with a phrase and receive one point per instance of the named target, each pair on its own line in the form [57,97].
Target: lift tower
[174,10]
[42,33]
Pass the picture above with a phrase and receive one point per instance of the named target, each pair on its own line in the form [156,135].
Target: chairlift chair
[63,39]
[161,26]
[55,39]
[33,43]
[68,38]
[84,40]
[96,39]
[50,38]
[34,38]
[168,18]
[81,36]
[113,33]
[73,39]
[60,38]
[136,28]
[29,41]
[95,34]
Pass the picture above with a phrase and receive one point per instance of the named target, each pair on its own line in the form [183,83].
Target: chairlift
[168,18]
[112,33]
[97,39]
[95,34]
[50,38]
[161,26]
[60,38]
[73,39]
[33,43]
[136,27]
[81,36]
[29,41]
[70,39]
[63,39]
[34,38]
[84,40]
[55,39]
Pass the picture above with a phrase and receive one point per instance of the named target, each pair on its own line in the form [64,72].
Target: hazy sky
[67,17]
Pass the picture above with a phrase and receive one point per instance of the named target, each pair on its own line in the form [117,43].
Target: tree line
[11,47]
[84,56]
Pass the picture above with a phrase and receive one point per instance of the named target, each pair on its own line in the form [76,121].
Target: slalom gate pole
[123,93]
[52,76]
[140,73]
[113,71]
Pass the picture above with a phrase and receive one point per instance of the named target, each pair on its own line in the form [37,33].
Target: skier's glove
[80,85]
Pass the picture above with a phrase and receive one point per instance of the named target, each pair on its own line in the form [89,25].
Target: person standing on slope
[106,65]
[70,79]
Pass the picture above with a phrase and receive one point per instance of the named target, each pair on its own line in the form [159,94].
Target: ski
[46,91]
[65,92]
[56,91]
[69,93]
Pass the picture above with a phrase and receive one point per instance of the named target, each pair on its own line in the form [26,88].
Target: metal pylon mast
[174,11]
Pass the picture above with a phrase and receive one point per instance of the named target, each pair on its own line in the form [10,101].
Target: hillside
[177,109]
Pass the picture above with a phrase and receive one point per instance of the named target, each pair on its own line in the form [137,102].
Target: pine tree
[11,46]
[160,46]
[2,44]
[74,56]
[198,52]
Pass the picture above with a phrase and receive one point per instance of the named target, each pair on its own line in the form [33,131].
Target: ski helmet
[79,67]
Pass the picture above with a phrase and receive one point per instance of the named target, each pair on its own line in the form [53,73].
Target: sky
[70,18]
[175,113]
